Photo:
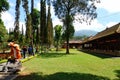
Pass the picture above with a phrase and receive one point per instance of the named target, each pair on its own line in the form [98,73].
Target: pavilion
[106,41]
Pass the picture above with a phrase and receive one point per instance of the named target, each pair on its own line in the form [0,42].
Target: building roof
[107,31]
[74,42]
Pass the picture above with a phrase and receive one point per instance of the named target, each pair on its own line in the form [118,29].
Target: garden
[74,66]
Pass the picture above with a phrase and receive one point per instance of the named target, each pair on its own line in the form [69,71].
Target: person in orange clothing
[11,45]
[14,58]
[17,53]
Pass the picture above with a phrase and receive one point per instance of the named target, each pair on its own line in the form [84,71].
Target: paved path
[8,75]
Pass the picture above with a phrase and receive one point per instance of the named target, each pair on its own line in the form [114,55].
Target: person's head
[16,46]
[11,44]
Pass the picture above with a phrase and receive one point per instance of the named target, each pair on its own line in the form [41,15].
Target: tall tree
[65,9]
[4,6]
[28,21]
[38,36]
[70,29]
[58,34]
[29,35]
[17,13]
[3,32]
[49,25]
[11,34]
[43,29]
[32,7]
[35,25]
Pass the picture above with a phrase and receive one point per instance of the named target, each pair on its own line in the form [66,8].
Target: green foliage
[3,32]
[17,16]
[86,8]
[4,5]
[28,20]
[25,6]
[58,35]
[35,24]
[68,9]
[43,27]
[35,18]
[71,30]
[11,36]
[3,35]
[28,29]
[49,26]
[58,32]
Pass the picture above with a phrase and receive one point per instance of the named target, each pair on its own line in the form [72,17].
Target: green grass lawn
[75,66]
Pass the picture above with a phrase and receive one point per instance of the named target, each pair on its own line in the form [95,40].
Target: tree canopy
[58,35]
[4,5]
[3,32]
[65,9]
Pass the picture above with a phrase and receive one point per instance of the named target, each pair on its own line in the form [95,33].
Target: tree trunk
[57,46]
[67,38]
[67,47]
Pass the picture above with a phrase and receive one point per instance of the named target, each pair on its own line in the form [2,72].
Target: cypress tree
[17,13]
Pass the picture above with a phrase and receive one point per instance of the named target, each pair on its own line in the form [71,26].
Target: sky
[108,15]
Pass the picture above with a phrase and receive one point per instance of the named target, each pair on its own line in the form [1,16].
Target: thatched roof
[74,42]
[108,31]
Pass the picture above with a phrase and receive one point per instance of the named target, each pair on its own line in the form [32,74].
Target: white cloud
[8,20]
[56,21]
[38,6]
[111,6]
[95,25]
[22,24]
[110,24]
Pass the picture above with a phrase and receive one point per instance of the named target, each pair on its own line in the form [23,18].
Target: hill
[85,32]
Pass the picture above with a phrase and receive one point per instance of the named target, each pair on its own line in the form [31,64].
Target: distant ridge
[85,32]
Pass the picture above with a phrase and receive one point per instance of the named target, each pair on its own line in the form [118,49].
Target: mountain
[85,32]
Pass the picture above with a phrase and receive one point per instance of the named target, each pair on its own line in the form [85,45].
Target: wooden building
[73,44]
[106,41]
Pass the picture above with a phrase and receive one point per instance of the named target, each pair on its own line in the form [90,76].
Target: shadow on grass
[61,76]
[100,55]
[117,74]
